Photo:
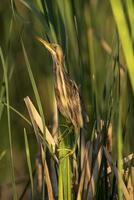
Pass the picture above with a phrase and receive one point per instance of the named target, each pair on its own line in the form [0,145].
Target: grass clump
[97,42]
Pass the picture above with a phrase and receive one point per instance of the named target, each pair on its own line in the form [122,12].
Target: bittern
[66,90]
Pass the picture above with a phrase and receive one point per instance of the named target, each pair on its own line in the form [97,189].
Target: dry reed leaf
[109,138]
[75,171]
[132,179]
[95,174]
[88,166]
[82,149]
[38,166]
[106,46]
[48,182]
[125,161]
[37,122]
[130,187]
[35,118]
[132,174]
[113,166]
[128,158]
[82,178]
[53,176]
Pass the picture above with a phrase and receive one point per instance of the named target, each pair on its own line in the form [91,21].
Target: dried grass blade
[35,118]
[132,177]
[28,161]
[48,182]
[83,173]
[130,186]
[89,166]
[128,158]
[95,174]
[109,158]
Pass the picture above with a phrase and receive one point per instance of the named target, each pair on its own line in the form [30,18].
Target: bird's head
[54,49]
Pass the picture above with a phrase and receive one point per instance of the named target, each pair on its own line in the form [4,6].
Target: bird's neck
[59,79]
[58,69]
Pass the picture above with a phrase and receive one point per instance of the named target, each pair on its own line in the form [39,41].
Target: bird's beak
[48,46]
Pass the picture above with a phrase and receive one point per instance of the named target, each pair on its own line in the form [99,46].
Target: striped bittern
[66,90]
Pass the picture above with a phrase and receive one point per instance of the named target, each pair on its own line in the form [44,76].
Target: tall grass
[97,41]
[4,65]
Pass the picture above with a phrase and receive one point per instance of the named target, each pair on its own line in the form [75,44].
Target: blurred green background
[87,33]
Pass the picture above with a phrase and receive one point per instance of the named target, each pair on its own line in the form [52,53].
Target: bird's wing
[74,103]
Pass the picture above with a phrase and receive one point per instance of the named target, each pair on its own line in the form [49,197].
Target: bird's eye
[55,47]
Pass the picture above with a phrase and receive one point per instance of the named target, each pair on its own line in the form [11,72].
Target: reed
[67,147]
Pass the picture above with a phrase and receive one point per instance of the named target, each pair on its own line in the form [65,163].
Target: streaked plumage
[66,90]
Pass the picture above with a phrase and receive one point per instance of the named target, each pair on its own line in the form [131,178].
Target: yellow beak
[48,46]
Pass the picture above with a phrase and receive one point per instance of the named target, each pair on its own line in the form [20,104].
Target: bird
[66,90]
